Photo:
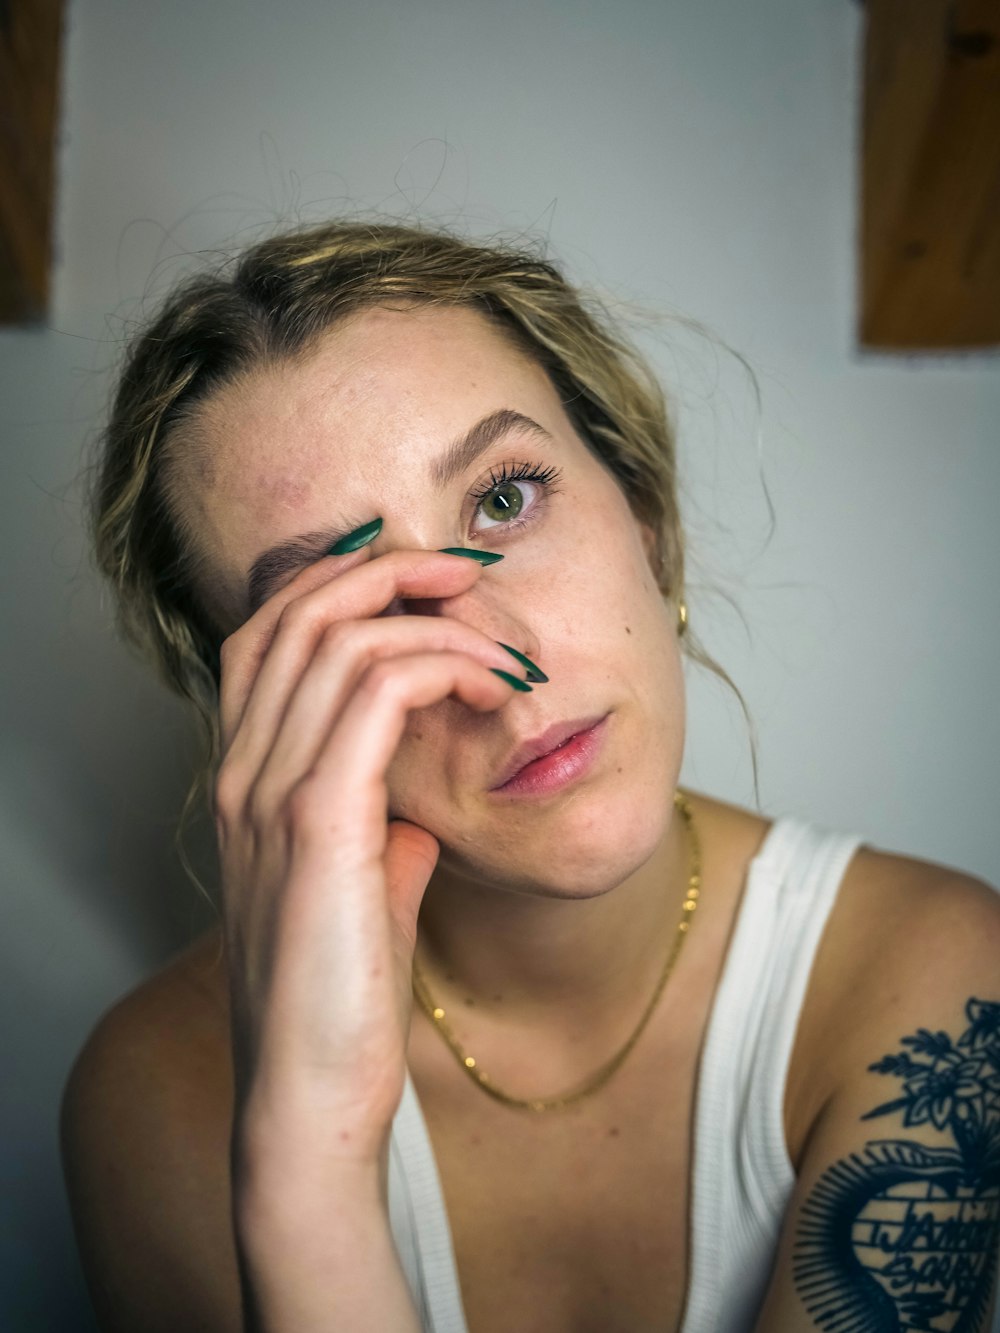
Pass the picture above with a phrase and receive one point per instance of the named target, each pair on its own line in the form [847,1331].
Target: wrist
[320,1255]
[278,1172]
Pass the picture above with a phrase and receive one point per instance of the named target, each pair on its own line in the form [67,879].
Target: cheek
[580,593]
[596,584]
[418,788]
[411,761]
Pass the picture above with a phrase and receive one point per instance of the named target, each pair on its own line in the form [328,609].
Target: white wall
[697,155]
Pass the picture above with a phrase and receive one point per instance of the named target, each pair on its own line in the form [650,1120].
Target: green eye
[503,502]
[514,495]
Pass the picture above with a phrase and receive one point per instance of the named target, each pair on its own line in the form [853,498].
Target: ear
[651,546]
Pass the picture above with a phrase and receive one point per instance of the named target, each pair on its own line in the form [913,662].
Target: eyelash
[514,472]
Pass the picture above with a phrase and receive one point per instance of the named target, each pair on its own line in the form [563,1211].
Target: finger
[355,586]
[243,650]
[339,808]
[411,853]
[335,884]
[281,749]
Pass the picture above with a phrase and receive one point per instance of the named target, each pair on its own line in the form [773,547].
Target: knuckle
[382,680]
[305,804]
[402,558]
[297,617]
[227,795]
[262,803]
[229,650]
[338,637]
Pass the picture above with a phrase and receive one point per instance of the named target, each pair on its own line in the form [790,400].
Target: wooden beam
[29,74]
[930,188]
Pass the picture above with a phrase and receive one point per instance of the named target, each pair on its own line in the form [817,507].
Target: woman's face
[354,431]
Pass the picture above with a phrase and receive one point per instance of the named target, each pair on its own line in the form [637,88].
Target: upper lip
[547,741]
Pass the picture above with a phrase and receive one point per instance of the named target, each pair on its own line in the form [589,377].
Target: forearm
[320,1257]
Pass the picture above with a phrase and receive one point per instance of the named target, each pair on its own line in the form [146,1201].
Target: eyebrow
[458,456]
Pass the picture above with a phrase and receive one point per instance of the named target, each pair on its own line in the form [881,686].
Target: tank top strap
[419,1221]
[741,1176]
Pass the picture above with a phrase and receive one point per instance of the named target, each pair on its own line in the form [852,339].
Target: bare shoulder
[895,1214]
[908,944]
[905,931]
[145,1138]
[730,837]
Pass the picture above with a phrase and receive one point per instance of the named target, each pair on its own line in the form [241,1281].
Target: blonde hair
[278,299]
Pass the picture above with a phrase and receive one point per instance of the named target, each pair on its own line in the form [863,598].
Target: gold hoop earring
[682,619]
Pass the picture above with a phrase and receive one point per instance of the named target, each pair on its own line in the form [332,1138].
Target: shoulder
[905,938]
[159,1048]
[896,1208]
[145,1140]
[730,837]
[920,895]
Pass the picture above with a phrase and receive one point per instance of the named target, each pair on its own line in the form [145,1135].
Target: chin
[602,843]
[577,848]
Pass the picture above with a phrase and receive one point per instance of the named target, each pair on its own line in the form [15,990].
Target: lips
[552,739]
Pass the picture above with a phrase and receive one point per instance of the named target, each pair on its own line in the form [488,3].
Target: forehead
[290,446]
[379,366]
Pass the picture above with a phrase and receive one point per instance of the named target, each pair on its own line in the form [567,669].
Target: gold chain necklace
[482,1079]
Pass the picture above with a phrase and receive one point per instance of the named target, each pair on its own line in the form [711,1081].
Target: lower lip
[557,769]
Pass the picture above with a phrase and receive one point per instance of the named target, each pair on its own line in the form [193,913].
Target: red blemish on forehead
[289,490]
[260,486]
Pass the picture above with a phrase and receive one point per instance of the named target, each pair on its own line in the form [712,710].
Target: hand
[320,891]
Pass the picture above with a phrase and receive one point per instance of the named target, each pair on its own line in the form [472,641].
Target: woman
[498,1033]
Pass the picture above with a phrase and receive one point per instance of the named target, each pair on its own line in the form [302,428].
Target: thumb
[411,853]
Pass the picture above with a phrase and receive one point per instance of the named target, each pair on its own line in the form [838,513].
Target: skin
[363,729]
[387,391]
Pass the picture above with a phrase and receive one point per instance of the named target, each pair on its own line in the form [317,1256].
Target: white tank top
[742,1176]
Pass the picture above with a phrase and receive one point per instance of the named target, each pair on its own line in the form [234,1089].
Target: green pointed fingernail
[484,557]
[516,681]
[535,674]
[356,539]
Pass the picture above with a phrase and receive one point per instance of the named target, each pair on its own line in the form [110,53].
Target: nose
[484,608]
[489,605]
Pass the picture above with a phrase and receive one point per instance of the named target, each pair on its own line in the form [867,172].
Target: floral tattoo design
[904,1236]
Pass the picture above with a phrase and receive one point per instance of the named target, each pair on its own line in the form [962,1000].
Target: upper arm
[145,1154]
[894,1222]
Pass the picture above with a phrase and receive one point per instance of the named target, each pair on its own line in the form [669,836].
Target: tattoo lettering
[900,1235]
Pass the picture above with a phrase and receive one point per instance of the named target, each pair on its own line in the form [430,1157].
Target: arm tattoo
[902,1236]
